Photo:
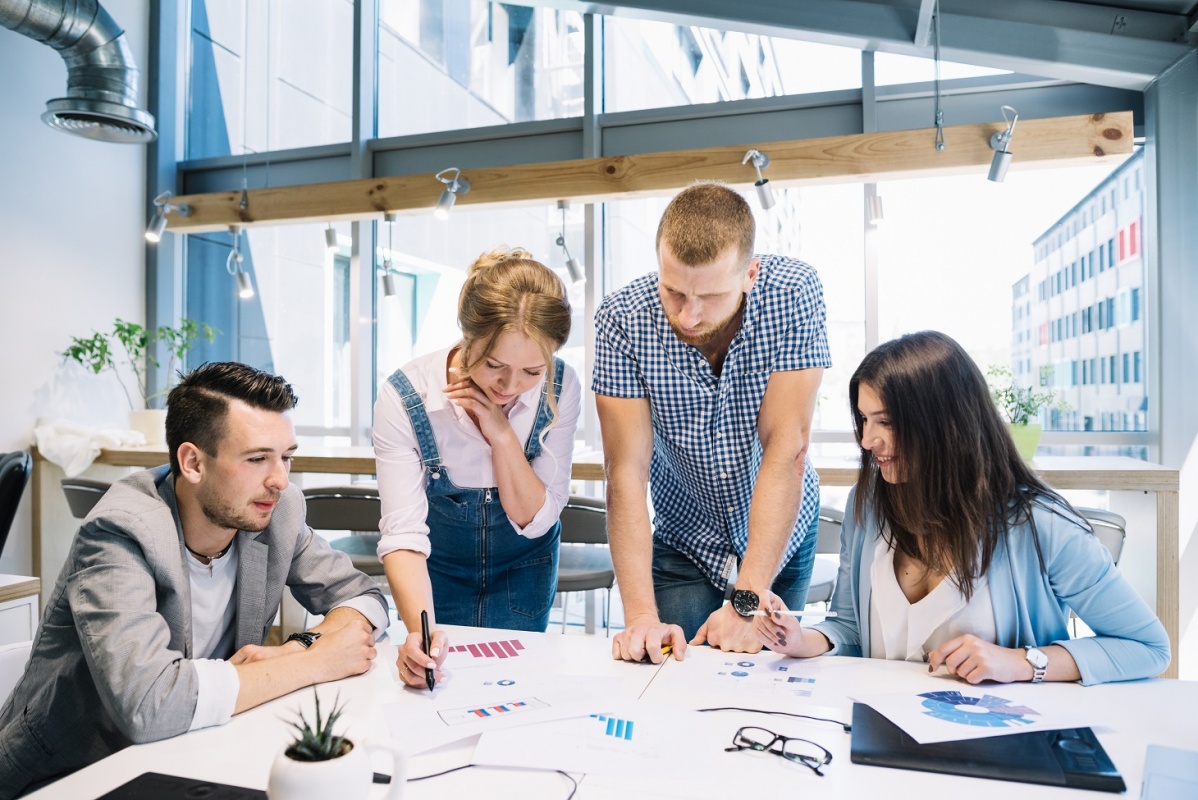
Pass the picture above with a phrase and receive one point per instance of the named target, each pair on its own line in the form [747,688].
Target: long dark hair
[963,483]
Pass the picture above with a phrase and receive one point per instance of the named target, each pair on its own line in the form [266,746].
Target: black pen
[429,677]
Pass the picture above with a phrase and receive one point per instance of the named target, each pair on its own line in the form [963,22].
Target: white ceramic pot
[150,423]
[346,778]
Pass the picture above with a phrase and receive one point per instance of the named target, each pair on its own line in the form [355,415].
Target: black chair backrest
[584,521]
[343,508]
[83,494]
[15,468]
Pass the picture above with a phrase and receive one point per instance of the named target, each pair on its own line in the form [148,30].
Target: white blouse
[464,451]
[906,631]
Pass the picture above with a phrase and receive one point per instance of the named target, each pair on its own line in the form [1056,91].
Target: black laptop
[156,786]
[1072,757]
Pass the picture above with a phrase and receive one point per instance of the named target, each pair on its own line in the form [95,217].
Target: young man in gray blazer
[156,624]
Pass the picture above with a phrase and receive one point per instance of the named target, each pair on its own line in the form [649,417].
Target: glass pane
[819,224]
[657,65]
[431,257]
[297,322]
[451,64]
[268,75]
[891,69]
[1043,273]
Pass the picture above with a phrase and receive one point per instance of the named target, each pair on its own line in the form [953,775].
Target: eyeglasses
[800,751]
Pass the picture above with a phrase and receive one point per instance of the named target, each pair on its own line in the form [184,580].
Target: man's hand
[977,660]
[646,637]
[729,631]
[345,651]
[412,660]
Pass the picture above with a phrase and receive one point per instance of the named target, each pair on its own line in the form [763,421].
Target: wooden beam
[865,158]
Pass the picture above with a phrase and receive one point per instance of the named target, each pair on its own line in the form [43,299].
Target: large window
[656,64]
[447,64]
[268,75]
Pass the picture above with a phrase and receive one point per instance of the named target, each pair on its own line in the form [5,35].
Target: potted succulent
[1020,405]
[319,763]
[133,345]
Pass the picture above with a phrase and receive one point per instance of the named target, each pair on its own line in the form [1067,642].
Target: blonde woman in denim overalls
[473,445]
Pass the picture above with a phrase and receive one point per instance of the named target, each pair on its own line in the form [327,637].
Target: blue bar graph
[616,728]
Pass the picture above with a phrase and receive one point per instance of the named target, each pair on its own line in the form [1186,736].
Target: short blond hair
[507,290]
[703,221]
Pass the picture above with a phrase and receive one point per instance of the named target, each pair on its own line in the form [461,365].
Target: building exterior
[1077,319]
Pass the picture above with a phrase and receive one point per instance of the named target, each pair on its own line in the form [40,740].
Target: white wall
[71,215]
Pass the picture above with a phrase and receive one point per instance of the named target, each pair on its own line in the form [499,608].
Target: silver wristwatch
[1039,661]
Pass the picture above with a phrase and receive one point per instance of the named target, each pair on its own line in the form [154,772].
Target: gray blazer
[111,661]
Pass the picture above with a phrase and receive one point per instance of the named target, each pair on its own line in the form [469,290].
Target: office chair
[15,468]
[584,563]
[13,658]
[1110,529]
[349,508]
[83,494]
[825,570]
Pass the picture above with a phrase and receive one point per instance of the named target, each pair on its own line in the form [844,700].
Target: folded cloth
[74,447]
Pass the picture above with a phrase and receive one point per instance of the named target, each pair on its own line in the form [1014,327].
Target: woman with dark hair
[954,552]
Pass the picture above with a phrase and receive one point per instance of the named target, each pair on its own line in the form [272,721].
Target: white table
[1126,717]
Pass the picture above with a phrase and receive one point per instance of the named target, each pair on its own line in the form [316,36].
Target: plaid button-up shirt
[706,451]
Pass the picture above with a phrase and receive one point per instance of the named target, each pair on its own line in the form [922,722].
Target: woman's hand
[779,632]
[489,418]
[977,660]
[413,661]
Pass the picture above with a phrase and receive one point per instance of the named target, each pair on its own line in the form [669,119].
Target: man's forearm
[772,515]
[631,541]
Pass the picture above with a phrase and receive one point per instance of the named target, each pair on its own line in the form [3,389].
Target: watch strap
[306,638]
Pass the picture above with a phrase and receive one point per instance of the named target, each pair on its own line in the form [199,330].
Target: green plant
[317,742]
[98,352]
[1019,403]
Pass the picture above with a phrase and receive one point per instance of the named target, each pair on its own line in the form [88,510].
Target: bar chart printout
[506,648]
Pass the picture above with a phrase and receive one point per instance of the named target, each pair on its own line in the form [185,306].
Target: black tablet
[156,786]
[1072,757]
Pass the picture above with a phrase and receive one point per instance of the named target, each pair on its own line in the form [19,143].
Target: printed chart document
[628,738]
[952,714]
[482,699]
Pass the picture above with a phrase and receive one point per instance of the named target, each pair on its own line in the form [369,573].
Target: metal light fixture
[390,289]
[162,207]
[873,206]
[330,237]
[453,187]
[245,287]
[1000,143]
[765,195]
[573,265]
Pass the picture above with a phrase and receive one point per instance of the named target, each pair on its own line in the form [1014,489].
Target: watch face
[745,602]
[1037,658]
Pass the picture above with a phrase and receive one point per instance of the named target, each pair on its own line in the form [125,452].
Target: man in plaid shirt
[706,375]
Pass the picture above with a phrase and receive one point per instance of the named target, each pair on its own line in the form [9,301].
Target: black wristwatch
[306,638]
[745,602]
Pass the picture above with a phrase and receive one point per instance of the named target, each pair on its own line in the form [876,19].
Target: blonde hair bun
[497,256]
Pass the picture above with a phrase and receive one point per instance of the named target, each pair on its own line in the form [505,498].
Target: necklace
[206,559]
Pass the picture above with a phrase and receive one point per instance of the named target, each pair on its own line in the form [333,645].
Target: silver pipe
[101,98]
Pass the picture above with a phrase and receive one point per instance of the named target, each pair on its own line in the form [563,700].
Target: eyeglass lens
[792,749]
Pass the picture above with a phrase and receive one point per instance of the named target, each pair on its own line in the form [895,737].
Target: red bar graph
[507,648]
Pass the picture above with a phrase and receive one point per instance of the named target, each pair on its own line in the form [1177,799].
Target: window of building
[1136,366]
[1126,368]
[659,65]
[454,65]
[1114,376]
[1135,304]
[256,68]
[1110,253]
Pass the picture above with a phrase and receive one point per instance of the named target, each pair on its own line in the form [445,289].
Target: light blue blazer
[1031,607]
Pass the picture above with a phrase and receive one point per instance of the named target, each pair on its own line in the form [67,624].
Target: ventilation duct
[101,101]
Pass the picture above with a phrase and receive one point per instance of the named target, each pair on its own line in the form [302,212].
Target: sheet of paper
[950,714]
[739,678]
[633,739]
[489,652]
[473,701]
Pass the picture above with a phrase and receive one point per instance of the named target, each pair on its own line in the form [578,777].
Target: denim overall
[483,573]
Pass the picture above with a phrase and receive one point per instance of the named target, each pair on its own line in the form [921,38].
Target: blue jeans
[685,597]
